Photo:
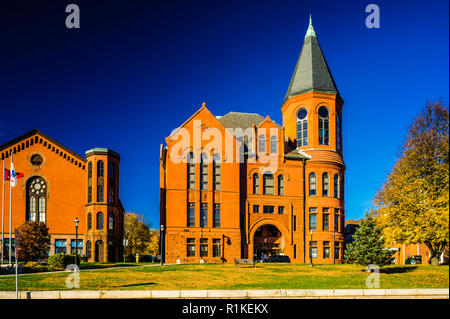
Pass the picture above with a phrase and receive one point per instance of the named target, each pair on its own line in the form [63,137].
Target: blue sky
[135,70]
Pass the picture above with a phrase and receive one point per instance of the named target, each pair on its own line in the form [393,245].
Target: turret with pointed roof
[311,72]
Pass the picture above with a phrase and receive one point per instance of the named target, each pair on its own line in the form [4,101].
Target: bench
[244,262]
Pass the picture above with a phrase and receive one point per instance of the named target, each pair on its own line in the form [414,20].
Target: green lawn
[228,276]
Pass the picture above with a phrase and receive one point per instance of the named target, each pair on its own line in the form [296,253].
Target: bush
[62,260]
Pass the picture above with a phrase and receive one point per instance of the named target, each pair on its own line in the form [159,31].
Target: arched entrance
[99,251]
[111,252]
[268,241]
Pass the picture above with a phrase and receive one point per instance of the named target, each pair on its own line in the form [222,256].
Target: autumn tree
[153,244]
[137,233]
[413,204]
[34,241]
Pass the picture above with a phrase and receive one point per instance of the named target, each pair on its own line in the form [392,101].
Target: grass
[228,276]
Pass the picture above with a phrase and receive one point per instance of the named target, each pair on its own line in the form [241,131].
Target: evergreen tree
[368,245]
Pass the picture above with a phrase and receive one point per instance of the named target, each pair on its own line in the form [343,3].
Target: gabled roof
[311,72]
[37,132]
[240,120]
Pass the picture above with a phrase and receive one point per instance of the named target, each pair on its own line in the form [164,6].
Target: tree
[34,241]
[137,233]
[368,245]
[153,245]
[412,205]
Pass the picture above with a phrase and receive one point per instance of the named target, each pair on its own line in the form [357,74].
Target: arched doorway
[111,252]
[99,251]
[268,241]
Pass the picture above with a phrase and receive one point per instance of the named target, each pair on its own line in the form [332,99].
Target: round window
[302,114]
[323,112]
[36,160]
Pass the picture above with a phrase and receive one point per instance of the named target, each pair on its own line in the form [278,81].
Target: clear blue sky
[135,70]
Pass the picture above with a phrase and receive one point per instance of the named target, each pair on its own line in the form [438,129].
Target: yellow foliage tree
[413,204]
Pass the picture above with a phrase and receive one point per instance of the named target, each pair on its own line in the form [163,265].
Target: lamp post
[161,243]
[76,239]
[334,246]
[310,251]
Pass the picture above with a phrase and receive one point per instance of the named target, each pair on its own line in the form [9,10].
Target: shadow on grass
[140,284]
[396,270]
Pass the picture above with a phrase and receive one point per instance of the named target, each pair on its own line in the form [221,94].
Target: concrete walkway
[234,294]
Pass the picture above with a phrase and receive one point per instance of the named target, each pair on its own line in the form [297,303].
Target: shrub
[62,260]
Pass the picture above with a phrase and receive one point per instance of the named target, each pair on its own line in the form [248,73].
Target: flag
[13,177]
[8,174]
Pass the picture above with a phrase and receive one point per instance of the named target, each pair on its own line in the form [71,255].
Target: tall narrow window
[190,245]
[262,143]
[216,248]
[336,222]
[312,184]
[100,182]
[111,181]
[89,221]
[37,194]
[268,184]
[204,215]
[203,247]
[216,215]
[326,249]
[312,221]
[336,185]
[111,221]
[204,172]
[323,126]
[99,220]
[255,183]
[302,127]
[89,182]
[280,185]
[88,249]
[191,215]
[274,144]
[338,131]
[191,171]
[326,222]
[217,172]
[325,184]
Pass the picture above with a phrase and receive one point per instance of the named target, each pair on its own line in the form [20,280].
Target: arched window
[274,144]
[262,143]
[191,171]
[89,221]
[204,172]
[280,185]
[88,249]
[36,195]
[323,126]
[336,185]
[338,131]
[302,127]
[111,221]
[325,184]
[100,181]
[111,181]
[217,172]
[99,220]
[268,184]
[255,183]
[89,182]
[312,184]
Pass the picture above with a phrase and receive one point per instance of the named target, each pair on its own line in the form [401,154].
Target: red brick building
[59,186]
[243,186]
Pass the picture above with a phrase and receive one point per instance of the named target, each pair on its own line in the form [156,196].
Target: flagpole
[3,210]
[10,215]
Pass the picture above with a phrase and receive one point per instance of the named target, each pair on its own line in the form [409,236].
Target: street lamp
[76,239]
[161,243]
[310,250]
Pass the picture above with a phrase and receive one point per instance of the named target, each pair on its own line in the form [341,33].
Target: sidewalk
[234,294]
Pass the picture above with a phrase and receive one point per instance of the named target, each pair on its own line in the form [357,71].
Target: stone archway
[268,241]
[268,236]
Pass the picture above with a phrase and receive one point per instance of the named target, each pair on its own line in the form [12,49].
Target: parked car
[276,259]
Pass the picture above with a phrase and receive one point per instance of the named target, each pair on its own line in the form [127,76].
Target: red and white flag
[11,175]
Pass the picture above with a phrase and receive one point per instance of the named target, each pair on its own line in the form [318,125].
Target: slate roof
[242,120]
[311,72]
